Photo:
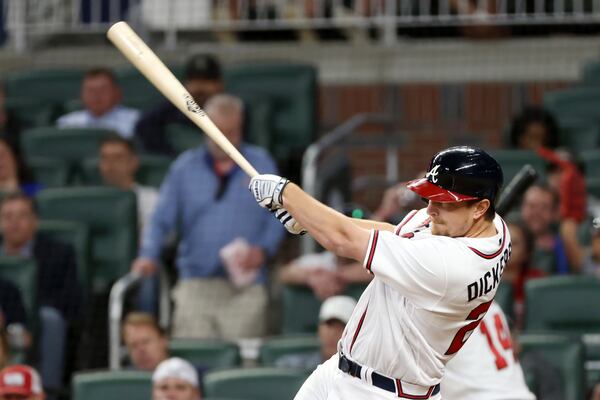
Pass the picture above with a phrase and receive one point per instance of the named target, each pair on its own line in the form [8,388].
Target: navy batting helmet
[458,174]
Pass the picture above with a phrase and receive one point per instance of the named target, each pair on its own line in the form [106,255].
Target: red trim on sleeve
[405,221]
[497,253]
[372,250]
[360,322]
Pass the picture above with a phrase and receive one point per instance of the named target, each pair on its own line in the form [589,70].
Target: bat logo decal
[192,106]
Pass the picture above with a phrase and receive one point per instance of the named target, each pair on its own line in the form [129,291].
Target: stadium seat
[505,299]
[564,353]
[579,134]
[102,385]
[563,304]
[254,383]
[184,137]
[591,160]
[290,93]
[593,187]
[274,348]
[300,308]
[49,172]
[591,344]
[591,73]
[22,272]
[138,90]
[52,85]
[206,353]
[151,172]
[77,235]
[32,112]
[111,216]
[511,162]
[577,102]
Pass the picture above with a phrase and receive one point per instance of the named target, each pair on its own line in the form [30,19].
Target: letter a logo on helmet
[459,174]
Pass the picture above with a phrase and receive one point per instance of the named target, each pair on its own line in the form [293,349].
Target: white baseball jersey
[428,295]
[486,368]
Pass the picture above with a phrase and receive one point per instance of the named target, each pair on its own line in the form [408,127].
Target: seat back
[563,353]
[102,385]
[512,161]
[50,85]
[254,383]
[111,217]
[23,273]
[591,160]
[32,112]
[562,304]
[579,134]
[184,137]
[50,172]
[274,348]
[206,353]
[576,102]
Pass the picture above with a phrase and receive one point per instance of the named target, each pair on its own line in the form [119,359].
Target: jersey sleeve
[417,269]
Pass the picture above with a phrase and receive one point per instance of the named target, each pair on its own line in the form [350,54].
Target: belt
[383,382]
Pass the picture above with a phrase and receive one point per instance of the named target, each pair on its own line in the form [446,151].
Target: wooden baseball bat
[144,59]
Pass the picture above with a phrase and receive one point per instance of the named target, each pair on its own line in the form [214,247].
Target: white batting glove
[289,222]
[267,190]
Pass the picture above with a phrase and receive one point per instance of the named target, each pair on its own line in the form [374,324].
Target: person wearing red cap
[20,382]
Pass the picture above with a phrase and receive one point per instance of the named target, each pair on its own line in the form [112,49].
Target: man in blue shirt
[101,98]
[204,198]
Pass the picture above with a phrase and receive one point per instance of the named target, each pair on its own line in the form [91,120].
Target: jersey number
[476,315]
[503,338]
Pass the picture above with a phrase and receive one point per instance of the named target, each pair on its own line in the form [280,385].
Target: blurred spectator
[10,127]
[325,273]
[58,287]
[21,382]
[146,341]
[594,392]
[175,379]
[397,202]
[101,98]
[13,320]
[333,317]
[225,239]
[118,165]
[4,350]
[519,269]
[203,80]
[533,128]
[591,258]
[14,175]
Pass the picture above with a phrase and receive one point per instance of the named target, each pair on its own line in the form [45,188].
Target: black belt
[383,382]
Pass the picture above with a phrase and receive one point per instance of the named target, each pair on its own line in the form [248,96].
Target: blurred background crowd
[135,264]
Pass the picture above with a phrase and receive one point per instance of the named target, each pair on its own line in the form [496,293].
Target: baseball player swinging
[435,276]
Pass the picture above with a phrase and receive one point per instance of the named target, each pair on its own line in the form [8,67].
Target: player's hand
[267,190]
[144,266]
[289,222]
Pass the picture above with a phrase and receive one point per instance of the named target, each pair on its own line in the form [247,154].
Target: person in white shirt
[486,368]
[435,276]
[118,165]
[101,98]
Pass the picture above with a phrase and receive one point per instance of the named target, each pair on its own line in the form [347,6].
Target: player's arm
[370,224]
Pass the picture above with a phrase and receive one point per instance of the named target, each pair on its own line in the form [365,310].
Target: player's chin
[439,230]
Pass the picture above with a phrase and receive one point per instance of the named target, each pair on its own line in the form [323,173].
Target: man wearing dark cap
[202,79]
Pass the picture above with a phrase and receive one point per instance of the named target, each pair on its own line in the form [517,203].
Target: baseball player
[435,276]
[486,367]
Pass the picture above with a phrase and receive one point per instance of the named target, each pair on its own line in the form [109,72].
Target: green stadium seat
[254,383]
[285,94]
[591,160]
[593,187]
[77,235]
[111,216]
[22,272]
[564,304]
[274,348]
[49,172]
[138,90]
[564,353]
[301,308]
[32,112]
[592,359]
[151,172]
[579,134]
[577,102]
[591,73]
[102,385]
[505,299]
[53,85]
[184,137]
[206,353]
[511,162]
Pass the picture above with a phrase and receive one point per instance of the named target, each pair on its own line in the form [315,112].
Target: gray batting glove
[267,190]
[289,222]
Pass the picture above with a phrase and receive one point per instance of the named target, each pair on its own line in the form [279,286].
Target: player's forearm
[331,229]
[370,224]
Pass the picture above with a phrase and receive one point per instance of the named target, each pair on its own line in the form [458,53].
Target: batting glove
[267,190]
[289,222]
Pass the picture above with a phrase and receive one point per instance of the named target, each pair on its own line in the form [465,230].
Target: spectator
[594,392]
[325,273]
[4,350]
[14,175]
[20,382]
[519,270]
[58,287]
[203,80]
[205,198]
[175,379]
[118,165]
[397,202]
[12,314]
[533,128]
[146,341]
[333,317]
[591,260]
[101,98]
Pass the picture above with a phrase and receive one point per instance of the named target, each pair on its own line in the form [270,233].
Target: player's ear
[481,208]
